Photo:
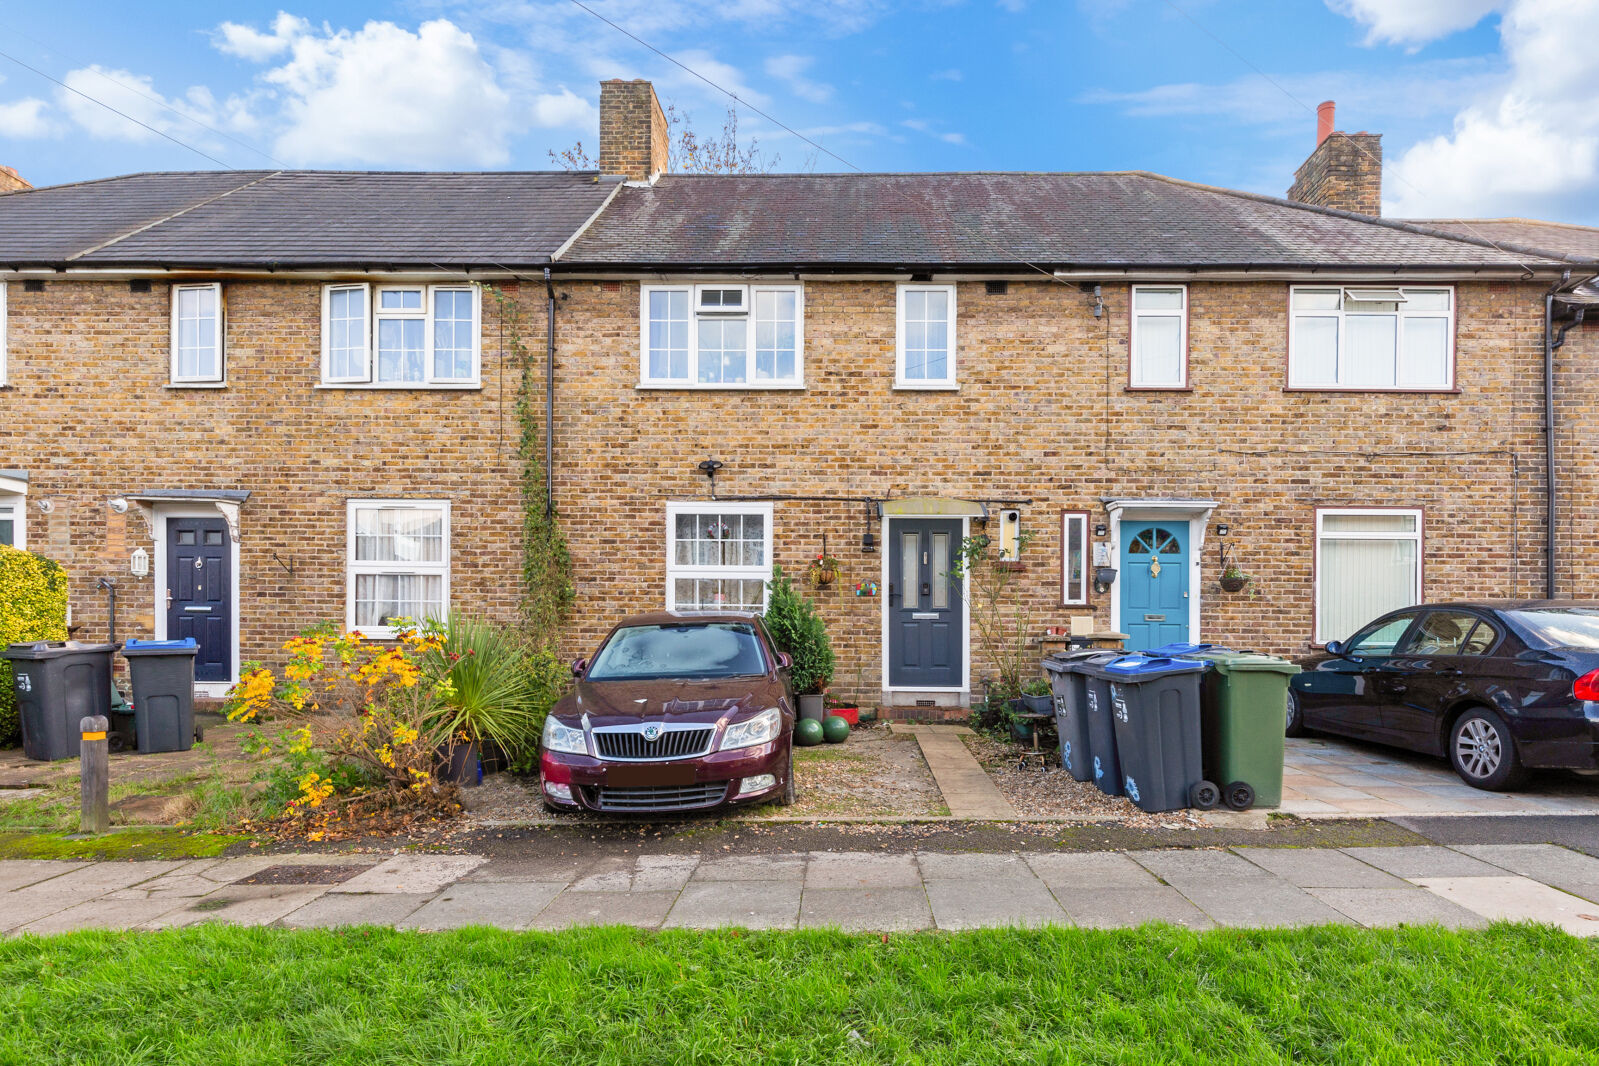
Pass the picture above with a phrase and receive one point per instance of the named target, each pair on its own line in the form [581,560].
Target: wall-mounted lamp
[118,505]
[46,506]
[139,563]
[1222,529]
[709,467]
[1101,530]
[868,542]
[1104,578]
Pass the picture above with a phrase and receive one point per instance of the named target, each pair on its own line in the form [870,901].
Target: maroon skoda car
[675,712]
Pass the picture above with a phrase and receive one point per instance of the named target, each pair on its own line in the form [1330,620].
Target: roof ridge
[168,218]
[135,174]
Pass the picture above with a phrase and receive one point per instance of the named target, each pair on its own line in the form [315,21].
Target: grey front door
[200,592]
[926,637]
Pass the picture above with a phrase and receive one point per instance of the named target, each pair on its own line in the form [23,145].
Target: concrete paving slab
[980,904]
[782,867]
[505,905]
[86,880]
[874,910]
[342,908]
[1126,906]
[563,868]
[1181,868]
[1092,870]
[17,910]
[412,874]
[762,904]
[1259,904]
[227,871]
[646,910]
[1567,870]
[1397,906]
[1320,868]
[97,914]
[1517,899]
[240,905]
[944,866]
[967,789]
[647,873]
[18,873]
[1423,861]
[857,870]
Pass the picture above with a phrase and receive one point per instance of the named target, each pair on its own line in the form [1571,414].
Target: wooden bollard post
[95,775]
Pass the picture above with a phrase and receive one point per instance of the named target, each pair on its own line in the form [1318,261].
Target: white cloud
[1414,22]
[1530,147]
[952,74]
[247,42]
[791,70]
[95,94]
[383,95]
[564,109]
[26,118]
[952,138]
[726,75]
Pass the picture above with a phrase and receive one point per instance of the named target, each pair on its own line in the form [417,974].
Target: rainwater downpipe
[1552,343]
[549,397]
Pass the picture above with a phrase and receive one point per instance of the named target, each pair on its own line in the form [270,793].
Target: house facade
[255,381]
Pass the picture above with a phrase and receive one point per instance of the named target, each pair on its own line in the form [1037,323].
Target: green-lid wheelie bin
[1242,705]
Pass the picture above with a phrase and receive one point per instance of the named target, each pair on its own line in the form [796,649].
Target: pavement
[1466,885]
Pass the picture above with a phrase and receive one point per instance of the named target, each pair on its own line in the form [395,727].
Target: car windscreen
[696,650]
[1560,627]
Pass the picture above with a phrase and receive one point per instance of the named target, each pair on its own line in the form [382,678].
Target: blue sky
[1483,104]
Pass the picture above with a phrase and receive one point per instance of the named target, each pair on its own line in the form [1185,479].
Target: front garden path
[968,791]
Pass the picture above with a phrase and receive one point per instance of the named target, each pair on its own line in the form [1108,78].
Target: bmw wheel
[1295,726]
[1483,752]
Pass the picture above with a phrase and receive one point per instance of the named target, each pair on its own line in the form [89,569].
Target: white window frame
[374,294]
[1181,314]
[201,380]
[1418,536]
[18,503]
[1078,596]
[1294,378]
[692,290]
[950,380]
[354,568]
[676,570]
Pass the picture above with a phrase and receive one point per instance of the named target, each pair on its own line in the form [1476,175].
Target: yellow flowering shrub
[33,606]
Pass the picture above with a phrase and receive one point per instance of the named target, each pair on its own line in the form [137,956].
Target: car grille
[674,798]
[671,744]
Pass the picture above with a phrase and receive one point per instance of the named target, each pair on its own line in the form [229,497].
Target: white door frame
[954,697]
[159,513]
[1196,512]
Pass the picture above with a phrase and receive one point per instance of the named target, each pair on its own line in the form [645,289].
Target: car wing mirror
[578,666]
[785,661]
[1337,649]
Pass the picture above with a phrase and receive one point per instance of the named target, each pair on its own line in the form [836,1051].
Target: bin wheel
[1239,795]
[199,734]
[1204,796]
[115,742]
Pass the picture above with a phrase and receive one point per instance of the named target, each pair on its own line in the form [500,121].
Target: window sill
[404,386]
[737,386]
[935,386]
[1453,391]
[195,385]
[1157,388]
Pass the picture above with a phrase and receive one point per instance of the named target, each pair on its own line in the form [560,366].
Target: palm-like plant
[488,692]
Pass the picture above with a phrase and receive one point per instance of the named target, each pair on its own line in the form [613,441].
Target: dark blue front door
[926,637]
[1154,583]
[200,592]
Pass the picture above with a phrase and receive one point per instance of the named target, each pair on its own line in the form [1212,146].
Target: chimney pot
[1324,120]
[1343,172]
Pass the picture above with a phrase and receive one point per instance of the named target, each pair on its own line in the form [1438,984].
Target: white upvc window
[1159,343]
[1368,562]
[13,520]
[197,331]
[399,563]
[401,336]
[718,556]
[1074,558]
[722,335]
[1371,337]
[925,337]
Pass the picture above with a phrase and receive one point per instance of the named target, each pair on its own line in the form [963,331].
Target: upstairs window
[722,336]
[926,337]
[401,336]
[1159,337]
[197,334]
[1371,338]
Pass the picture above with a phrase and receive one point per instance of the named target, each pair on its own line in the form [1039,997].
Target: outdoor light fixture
[1222,529]
[1101,530]
[139,564]
[118,505]
[868,539]
[46,506]
[710,466]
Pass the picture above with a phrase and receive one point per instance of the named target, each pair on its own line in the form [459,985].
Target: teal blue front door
[1154,583]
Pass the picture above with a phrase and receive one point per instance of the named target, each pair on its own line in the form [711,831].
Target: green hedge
[33,606]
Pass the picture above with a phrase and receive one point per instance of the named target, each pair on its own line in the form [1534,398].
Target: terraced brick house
[1145,375]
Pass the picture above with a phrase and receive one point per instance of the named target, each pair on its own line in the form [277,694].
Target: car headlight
[558,737]
[761,729]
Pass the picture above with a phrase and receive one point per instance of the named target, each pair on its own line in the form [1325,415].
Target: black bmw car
[1497,686]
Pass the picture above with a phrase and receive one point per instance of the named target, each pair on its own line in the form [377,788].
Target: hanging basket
[1234,582]
[823,576]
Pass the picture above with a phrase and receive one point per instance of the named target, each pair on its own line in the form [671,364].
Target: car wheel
[786,799]
[1295,726]
[1483,752]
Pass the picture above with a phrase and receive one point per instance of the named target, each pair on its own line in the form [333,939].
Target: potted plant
[850,712]
[1037,697]
[1233,579]
[799,631]
[823,570]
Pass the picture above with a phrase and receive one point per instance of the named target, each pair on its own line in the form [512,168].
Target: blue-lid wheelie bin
[1155,711]
[1104,766]
[1069,686]
[161,673]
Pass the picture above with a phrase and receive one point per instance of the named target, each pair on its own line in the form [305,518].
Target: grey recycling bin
[162,675]
[1069,687]
[1103,759]
[1155,706]
[57,684]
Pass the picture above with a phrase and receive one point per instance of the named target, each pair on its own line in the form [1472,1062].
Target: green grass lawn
[1155,995]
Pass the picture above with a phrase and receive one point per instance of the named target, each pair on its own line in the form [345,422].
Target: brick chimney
[11,181]
[1345,170]
[633,130]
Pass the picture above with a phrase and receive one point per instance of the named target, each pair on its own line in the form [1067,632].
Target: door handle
[927,590]
[169,599]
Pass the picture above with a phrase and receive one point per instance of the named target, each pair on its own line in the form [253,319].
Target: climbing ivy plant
[547,592]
